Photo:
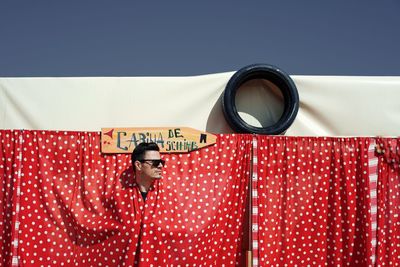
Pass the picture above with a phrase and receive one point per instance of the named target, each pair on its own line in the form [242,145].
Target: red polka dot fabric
[388,223]
[74,209]
[81,208]
[10,167]
[63,203]
[197,218]
[313,201]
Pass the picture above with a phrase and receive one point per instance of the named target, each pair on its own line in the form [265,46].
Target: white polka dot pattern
[313,206]
[388,221]
[81,208]
[77,207]
[10,163]
[197,217]
[74,209]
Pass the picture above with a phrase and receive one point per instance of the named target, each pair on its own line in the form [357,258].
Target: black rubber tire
[272,74]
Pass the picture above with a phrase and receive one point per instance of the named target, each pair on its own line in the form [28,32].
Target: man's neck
[144,184]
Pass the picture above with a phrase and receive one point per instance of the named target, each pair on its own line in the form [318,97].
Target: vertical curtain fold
[64,203]
[74,208]
[388,196]
[10,172]
[198,216]
[80,207]
[313,201]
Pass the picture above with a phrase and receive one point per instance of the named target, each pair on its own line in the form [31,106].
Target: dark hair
[140,149]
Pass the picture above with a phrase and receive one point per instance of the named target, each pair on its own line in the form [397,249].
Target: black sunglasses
[154,162]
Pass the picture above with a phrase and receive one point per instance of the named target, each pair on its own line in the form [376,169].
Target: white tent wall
[329,105]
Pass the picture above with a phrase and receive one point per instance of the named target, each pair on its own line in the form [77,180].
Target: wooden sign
[170,140]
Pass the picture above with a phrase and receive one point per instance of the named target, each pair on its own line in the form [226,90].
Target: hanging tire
[265,72]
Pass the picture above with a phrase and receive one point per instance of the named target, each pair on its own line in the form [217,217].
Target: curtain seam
[15,235]
[253,213]
[373,181]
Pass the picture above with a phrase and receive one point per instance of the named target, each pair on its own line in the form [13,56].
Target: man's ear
[138,165]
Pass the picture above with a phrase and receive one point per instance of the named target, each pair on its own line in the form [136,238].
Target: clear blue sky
[179,38]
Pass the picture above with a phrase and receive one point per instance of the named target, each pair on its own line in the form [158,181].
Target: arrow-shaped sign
[169,139]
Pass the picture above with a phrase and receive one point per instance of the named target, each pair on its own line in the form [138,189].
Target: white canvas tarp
[329,105]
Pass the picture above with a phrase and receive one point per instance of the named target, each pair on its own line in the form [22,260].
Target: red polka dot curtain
[197,218]
[388,203]
[77,207]
[313,204]
[63,203]
[10,168]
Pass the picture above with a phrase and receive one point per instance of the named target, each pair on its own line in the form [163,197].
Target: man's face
[148,170]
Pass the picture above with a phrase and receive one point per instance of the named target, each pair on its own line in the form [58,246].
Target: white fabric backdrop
[329,106]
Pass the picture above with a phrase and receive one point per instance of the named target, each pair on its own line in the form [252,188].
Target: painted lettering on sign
[137,138]
[181,145]
[176,139]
